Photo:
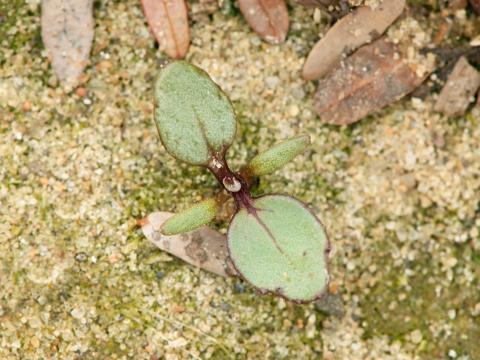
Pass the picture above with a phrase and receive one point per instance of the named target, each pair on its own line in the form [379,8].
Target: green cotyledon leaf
[280,247]
[191,218]
[278,155]
[193,116]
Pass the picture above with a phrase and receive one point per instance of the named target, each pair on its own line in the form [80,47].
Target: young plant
[274,242]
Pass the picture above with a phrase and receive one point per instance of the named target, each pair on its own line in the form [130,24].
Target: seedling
[274,242]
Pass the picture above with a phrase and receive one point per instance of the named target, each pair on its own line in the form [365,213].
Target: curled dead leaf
[368,80]
[205,248]
[168,21]
[268,18]
[359,27]
[67,32]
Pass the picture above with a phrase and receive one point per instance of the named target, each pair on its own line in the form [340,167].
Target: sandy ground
[398,192]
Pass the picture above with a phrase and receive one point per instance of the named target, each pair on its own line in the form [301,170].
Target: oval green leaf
[193,116]
[281,247]
[278,155]
[191,218]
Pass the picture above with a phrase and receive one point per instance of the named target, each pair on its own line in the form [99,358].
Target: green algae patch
[417,315]
[12,36]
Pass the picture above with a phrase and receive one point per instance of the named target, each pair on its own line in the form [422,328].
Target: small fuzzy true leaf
[281,247]
[193,116]
[191,218]
[278,155]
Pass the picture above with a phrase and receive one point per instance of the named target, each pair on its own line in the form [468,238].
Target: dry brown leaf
[360,27]
[67,32]
[205,248]
[268,18]
[168,21]
[366,81]
[459,90]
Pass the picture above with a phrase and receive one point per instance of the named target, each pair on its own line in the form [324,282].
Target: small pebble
[452,314]
[293,110]
[452,354]
[416,336]
[81,257]
[272,82]
[239,288]
[81,91]
[225,306]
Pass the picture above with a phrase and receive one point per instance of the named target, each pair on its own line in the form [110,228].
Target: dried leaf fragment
[205,248]
[268,18]
[475,4]
[361,26]
[456,5]
[459,90]
[168,21]
[368,80]
[67,32]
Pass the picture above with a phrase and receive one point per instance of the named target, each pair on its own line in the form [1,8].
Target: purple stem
[234,183]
